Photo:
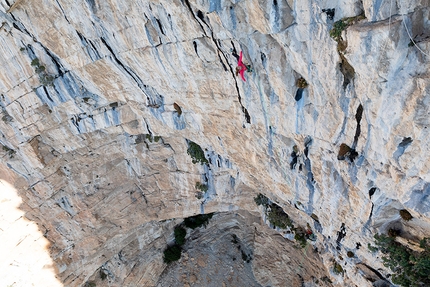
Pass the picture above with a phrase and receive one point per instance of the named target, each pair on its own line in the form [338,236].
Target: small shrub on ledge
[201,186]
[301,83]
[337,269]
[172,253]
[198,220]
[278,218]
[180,234]
[261,199]
[196,153]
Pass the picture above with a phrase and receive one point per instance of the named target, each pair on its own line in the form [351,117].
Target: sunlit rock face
[104,103]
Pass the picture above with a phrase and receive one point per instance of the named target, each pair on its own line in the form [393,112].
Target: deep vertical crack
[129,71]
[61,8]
[219,51]
[358,117]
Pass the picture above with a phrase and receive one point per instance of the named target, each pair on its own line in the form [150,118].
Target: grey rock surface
[102,100]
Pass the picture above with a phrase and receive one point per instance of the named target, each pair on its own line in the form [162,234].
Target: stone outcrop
[108,106]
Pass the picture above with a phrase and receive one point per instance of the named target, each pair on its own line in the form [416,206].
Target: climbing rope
[410,37]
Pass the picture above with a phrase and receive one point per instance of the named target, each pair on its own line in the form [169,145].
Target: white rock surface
[100,100]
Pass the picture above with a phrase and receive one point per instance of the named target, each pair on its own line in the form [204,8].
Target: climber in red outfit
[241,67]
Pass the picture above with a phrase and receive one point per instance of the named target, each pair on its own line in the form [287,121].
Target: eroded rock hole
[195,47]
[177,108]
[372,192]
[200,15]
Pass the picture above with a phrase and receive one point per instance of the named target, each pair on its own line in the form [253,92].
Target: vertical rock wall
[102,100]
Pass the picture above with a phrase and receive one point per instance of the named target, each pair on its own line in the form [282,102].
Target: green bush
[350,254]
[372,248]
[410,268]
[172,253]
[103,275]
[339,26]
[180,234]
[278,218]
[198,220]
[202,187]
[10,151]
[300,238]
[152,138]
[44,78]
[301,83]
[196,153]
[260,199]
[337,268]
[337,29]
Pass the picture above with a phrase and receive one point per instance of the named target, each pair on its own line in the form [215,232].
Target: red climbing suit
[242,67]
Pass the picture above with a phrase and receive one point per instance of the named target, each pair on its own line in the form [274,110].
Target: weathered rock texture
[101,100]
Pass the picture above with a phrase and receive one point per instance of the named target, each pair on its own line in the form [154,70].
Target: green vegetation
[341,25]
[301,83]
[172,253]
[103,275]
[196,153]
[350,254]
[202,187]
[6,117]
[300,237]
[338,27]
[372,248]
[392,232]
[260,199]
[152,138]
[278,218]
[90,284]
[44,78]
[405,214]
[180,234]
[198,220]
[337,268]
[410,268]
[10,151]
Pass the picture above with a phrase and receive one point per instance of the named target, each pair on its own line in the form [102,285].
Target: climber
[241,67]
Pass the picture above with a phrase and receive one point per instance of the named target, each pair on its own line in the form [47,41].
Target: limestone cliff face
[102,102]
